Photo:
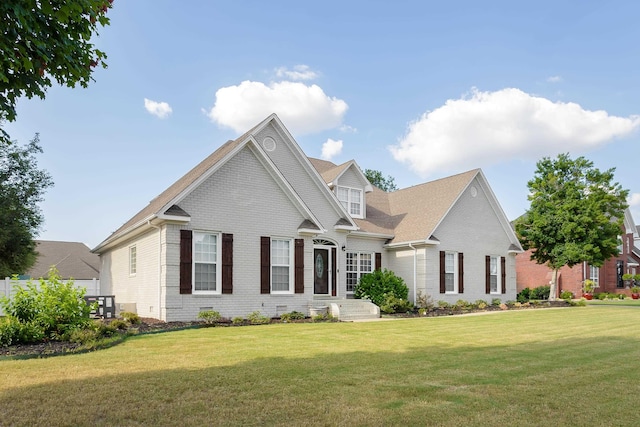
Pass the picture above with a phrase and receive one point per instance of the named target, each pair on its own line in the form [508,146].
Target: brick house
[608,278]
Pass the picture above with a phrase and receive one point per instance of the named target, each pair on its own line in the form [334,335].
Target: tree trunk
[553,289]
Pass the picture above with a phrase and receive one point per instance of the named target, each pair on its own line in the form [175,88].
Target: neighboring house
[608,277]
[258,226]
[73,260]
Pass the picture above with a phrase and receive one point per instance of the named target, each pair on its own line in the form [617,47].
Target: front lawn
[570,366]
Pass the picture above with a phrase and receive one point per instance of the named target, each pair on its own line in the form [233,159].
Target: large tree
[41,40]
[576,214]
[22,186]
[376,178]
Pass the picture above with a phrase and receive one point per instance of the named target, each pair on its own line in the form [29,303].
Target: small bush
[130,317]
[481,304]
[119,324]
[540,293]
[210,317]
[424,302]
[237,320]
[566,295]
[324,317]
[294,315]
[524,295]
[256,318]
[374,286]
[392,304]
[601,296]
[9,331]
[496,302]
[462,305]
[622,296]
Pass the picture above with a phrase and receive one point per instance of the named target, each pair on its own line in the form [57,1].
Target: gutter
[415,273]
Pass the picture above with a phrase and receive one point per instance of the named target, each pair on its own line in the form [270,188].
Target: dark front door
[321,271]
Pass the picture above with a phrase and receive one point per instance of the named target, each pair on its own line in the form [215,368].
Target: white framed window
[281,266]
[133,260]
[594,274]
[451,272]
[358,264]
[494,275]
[351,199]
[206,262]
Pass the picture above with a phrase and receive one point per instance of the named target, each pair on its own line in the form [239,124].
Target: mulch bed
[149,325]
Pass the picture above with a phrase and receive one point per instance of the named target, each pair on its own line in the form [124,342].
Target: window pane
[205,277]
[343,196]
[365,263]
[280,278]
[355,202]
[448,262]
[280,252]
[205,248]
[448,282]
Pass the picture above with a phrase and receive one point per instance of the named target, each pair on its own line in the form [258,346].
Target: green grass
[573,366]
[619,302]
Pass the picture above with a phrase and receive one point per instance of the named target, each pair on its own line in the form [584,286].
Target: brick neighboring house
[608,277]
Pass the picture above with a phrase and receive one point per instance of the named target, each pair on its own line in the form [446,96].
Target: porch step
[347,310]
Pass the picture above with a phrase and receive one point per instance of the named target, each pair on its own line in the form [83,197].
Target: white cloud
[331,148]
[304,109]
[299,72]
[554,79]
[348,129]
[634,200]
[158,109]
[488,127]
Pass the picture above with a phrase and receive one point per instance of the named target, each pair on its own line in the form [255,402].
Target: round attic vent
[269,143]
[474,191]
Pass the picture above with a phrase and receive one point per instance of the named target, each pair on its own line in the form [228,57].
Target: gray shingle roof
[71,259]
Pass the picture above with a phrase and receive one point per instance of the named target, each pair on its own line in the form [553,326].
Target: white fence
[6,286]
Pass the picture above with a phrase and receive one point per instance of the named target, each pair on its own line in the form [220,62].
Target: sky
[419,90]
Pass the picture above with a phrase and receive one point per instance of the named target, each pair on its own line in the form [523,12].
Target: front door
[321,271]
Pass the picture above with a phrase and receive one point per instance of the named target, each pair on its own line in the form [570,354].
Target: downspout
[159,268]
[415,273]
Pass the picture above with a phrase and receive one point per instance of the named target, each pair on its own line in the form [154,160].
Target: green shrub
[119,324]
[496,302]
[256,318]
[443,304]
[210,317]
[9,331]
[294,315]
[462,305]
[566,295]
[238,320]
[374,286]
[601,296]
[393,304]
[424,301]
[540,293]
[480,304]
[130,317]
[524,295]
[49,310]
[323,317]
[622,296]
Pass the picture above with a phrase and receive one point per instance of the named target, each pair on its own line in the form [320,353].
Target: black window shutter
[298,256]
[378,260]
[265,265]
[186,239]
[442,280]
[503,273]
[227,263]
[487,274]
[460,273]
[334,276]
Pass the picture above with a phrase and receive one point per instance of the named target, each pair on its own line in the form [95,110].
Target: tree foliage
[376,178]
[45,40]
[22,186]
[576,214]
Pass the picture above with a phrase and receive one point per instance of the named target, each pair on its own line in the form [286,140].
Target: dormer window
[351,199]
